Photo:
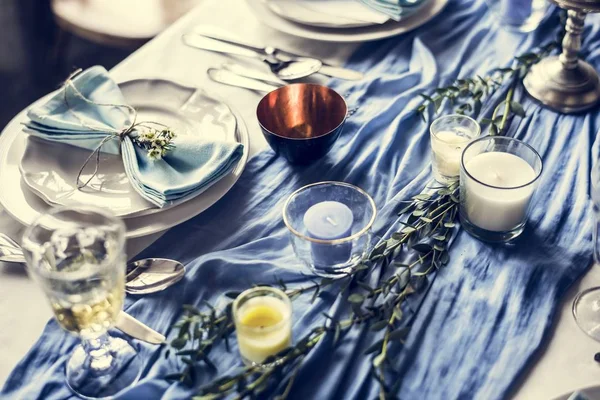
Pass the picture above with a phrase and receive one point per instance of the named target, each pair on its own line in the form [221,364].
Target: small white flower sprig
[157,142]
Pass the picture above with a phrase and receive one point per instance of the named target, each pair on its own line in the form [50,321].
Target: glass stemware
[586,306]
[77,256]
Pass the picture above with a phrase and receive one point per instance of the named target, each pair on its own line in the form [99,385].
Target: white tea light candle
[493,209]
[329,220]
[450,134]
[263,324]
[447,150]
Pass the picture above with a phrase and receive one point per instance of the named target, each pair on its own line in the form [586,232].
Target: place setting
[357,255]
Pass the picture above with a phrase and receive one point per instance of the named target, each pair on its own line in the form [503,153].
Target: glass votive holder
[330,226]
[263,323]
[519,15]
[450,134]
[498,178]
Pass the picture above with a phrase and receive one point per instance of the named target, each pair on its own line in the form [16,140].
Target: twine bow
[165,136]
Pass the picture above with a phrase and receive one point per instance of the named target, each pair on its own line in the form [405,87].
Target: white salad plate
[333,13]
[25,205]
[425,13]
[50,169]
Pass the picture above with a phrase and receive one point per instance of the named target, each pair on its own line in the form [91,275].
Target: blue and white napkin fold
[193,166]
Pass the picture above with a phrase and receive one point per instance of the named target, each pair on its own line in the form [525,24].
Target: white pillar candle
[447,147]
[503,207]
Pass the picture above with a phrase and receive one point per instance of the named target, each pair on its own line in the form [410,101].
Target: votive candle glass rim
[443,117]
[501,138]
[281,295]
[356,235]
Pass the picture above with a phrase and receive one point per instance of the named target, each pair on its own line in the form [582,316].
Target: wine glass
[586,306]
[77,256]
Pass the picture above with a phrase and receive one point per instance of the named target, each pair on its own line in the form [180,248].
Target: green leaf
[425,219]
[232,295]
[418,213]
[426,97]
[178,343]
[422,247]
[374,347]
[517,109]
[378,360]
[440,237]
[356,298]
[408,229]
[444,257]
[449,224]
[399,334]
[379,325]
[438,247]
[191,309]
[493,130]
[398,314]
[422,197]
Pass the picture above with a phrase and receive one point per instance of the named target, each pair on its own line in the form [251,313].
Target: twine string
[115,134]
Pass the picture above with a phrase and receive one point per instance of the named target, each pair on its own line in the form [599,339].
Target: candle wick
[331,221]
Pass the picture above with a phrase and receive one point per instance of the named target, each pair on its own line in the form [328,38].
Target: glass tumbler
[450,134]
[498,178]
[586,307]
[330,226]
[263,323]
[77,256]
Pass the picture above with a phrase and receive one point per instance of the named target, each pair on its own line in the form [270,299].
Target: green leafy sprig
[424,236]
[466,95]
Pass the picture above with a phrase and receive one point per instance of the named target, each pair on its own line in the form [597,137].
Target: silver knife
[284,55]
[233,79]
[137,330]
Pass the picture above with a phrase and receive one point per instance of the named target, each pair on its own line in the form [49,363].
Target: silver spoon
[143,276]
[285,70]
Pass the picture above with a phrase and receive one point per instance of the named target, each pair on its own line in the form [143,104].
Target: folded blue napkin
[84,116]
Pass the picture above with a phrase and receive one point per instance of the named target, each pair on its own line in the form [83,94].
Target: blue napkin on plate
[184,172]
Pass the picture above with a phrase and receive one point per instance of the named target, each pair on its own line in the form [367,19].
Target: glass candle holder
[77,256]
[498,178]
[330,226]
[450,134]
[263,323]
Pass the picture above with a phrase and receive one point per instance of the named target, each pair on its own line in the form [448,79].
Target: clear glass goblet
[586,306]
[77,256]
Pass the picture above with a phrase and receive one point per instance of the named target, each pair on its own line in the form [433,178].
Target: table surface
[567,363]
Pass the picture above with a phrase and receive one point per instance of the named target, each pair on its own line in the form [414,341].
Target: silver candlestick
[565,83]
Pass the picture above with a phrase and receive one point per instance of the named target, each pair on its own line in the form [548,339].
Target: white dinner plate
[326,14]
[25,206]
[592,393]
[346,35]
[187,110]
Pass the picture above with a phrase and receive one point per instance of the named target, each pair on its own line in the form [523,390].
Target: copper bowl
[302,121]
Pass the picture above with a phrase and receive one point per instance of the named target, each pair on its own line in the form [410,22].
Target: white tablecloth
[566,364]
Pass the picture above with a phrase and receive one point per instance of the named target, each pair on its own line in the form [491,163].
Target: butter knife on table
[137,330]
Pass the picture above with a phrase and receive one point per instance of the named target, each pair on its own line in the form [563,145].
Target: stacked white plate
[36,175]
[341,20]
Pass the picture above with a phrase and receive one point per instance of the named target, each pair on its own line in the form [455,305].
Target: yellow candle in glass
[263,323]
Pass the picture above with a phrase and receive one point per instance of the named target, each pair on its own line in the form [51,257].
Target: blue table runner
[485,315]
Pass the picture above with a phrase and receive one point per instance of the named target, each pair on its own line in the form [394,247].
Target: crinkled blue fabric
[481,321]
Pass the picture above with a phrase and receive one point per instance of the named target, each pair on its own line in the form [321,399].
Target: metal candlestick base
[565,83]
